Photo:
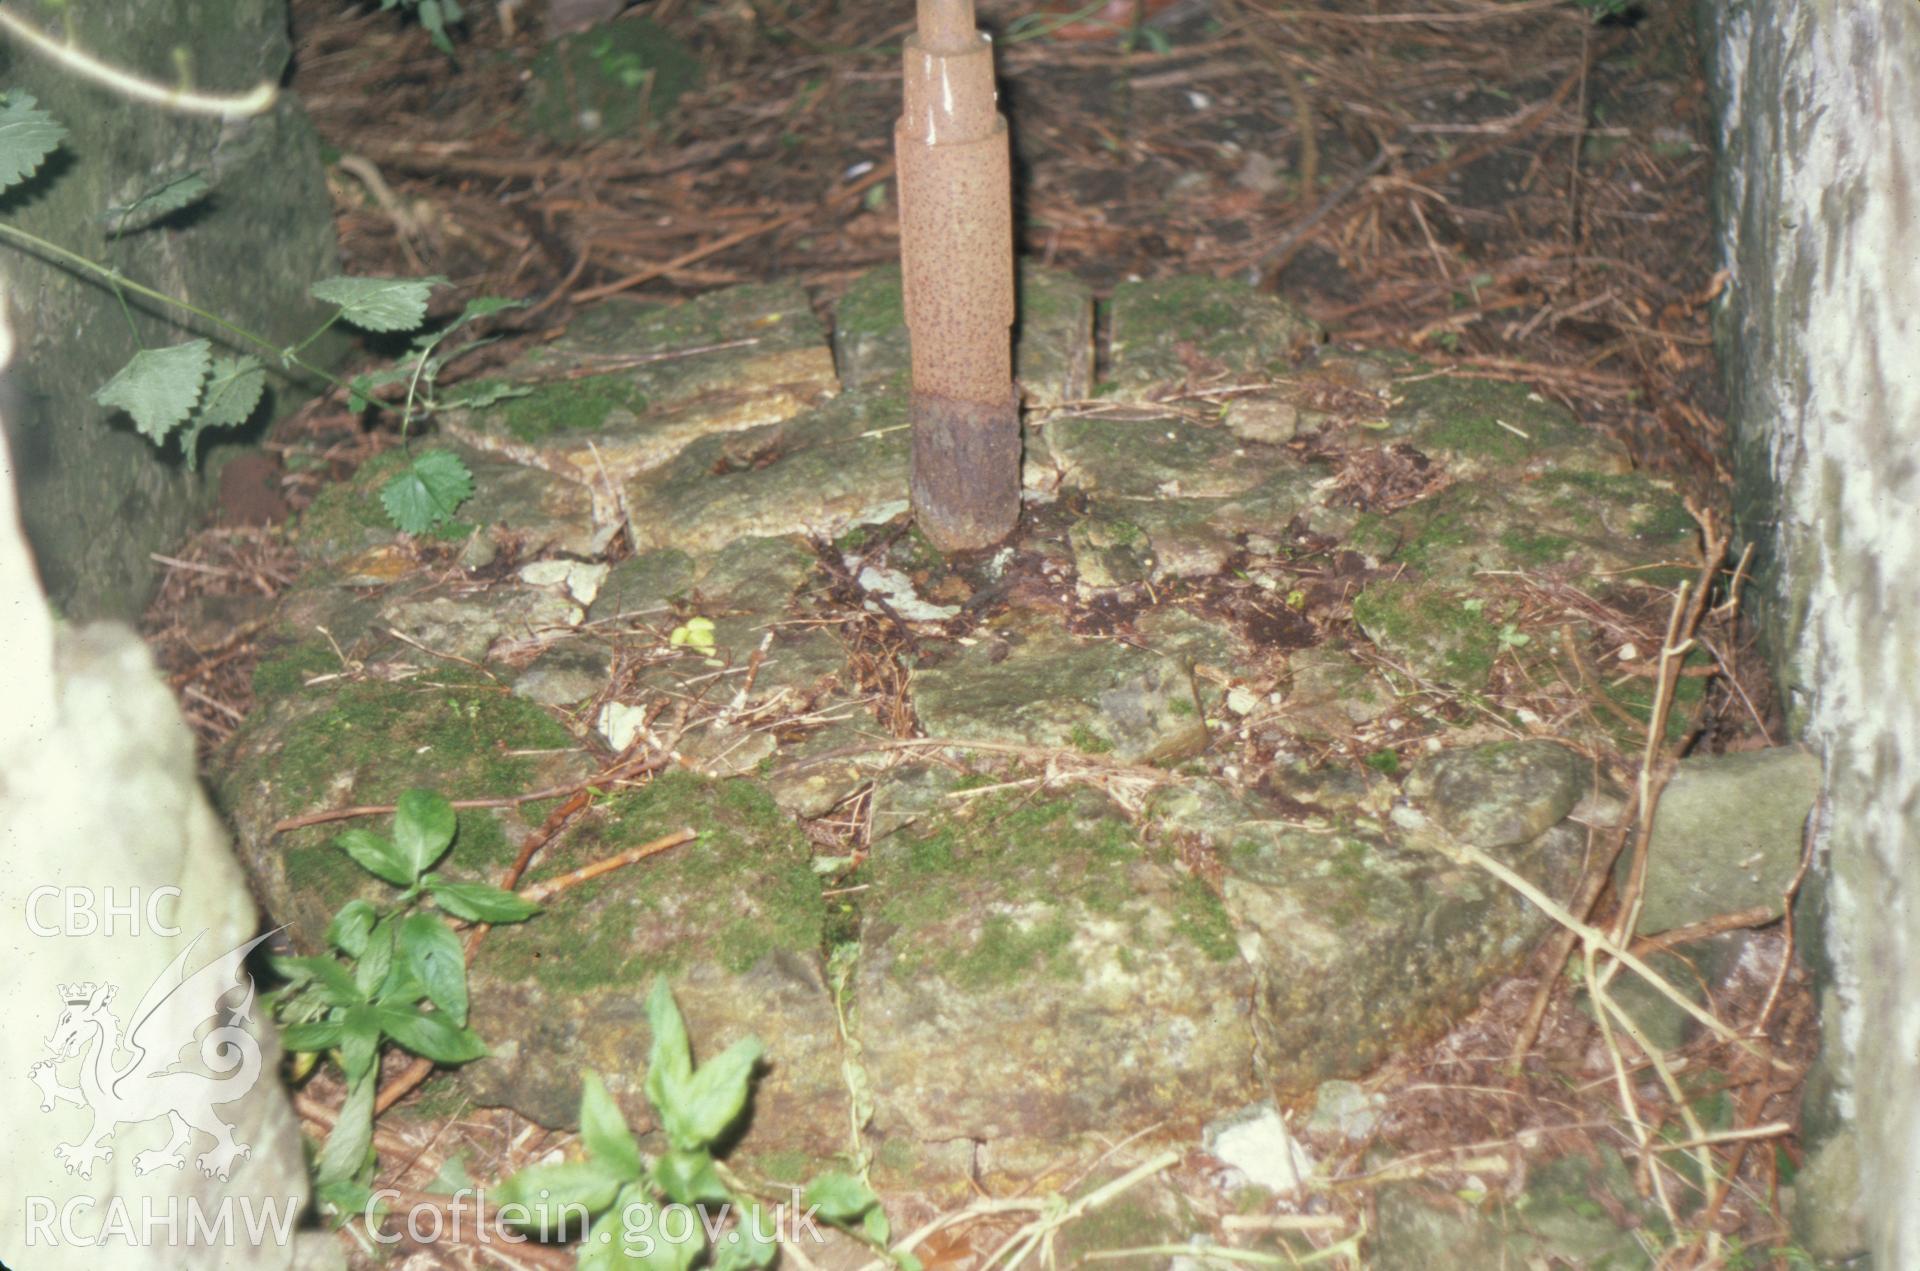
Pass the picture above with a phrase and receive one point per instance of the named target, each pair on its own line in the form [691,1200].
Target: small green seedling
[399,978]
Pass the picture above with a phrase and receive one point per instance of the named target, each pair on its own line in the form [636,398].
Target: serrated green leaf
[352,1138]
[423,822]
[840,1198]
[348,930]
[375,854]
[431,1034]
[233,390]
[485,307]
[479,902]
[27,136]
[156,203]
[159,387]
[378,304]
[438,959]
[430,491]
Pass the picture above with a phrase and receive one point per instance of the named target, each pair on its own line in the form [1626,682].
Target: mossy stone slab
[632,384]
[1143,455]
[820,473]
[1030,972]
[734,920]
[1189,332]
[1053,336]
[542,511]
[1035,685]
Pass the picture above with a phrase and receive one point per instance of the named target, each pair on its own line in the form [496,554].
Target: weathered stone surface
[1146,456]
[1041,687]
[842,465]
[1727,835]
[644,586]
[1500,794]
[1185,332]
[1493,428]
[1109,983]
[632,385]
[1442,634]
[543,512]
[1557,1221]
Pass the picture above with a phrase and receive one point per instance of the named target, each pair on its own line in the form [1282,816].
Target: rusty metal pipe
[956,256]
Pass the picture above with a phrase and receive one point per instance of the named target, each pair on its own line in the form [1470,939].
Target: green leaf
[453,1177]
[876,1226]
[348,930]
[27,136]
[379,304]
[352,1138]
[335,983]
[438,959]
[312,1037]
[157,203]
[233,390]
[688,1178]
[371,969]
[840,1198]
[714,1099]
[751,1243]
[485,307]
[430,491]
[159,387]
[423,823]
[630,1236]
[669,1059]
[479,902]
[376,855]
[431,1034]
[604,1131]
[359,1042]
[547,1191]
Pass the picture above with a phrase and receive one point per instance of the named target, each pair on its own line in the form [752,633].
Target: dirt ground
[1519,190]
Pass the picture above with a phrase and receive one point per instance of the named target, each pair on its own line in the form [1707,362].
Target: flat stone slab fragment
[1041,687]
[842,465]
[1128,454]
[542,511]
[630,385]
[1108,980]
[1183,333]
[1052,354]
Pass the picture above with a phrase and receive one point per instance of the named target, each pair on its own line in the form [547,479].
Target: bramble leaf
[27,136]
[159,387]
[430,491]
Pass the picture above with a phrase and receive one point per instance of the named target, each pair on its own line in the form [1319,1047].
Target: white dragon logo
[148,1086]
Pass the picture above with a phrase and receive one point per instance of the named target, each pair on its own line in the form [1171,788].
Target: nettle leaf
[485,307]
[157,203]
[423,824]
[378,304]
[436,956]
[27,136]
[479,902]
[159,387]
[430,491]
[377,855]
[233,391]
[604,1130]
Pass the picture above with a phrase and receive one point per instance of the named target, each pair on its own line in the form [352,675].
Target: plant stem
[116,280]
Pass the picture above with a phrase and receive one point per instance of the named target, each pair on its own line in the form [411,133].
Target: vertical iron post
[956,255]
